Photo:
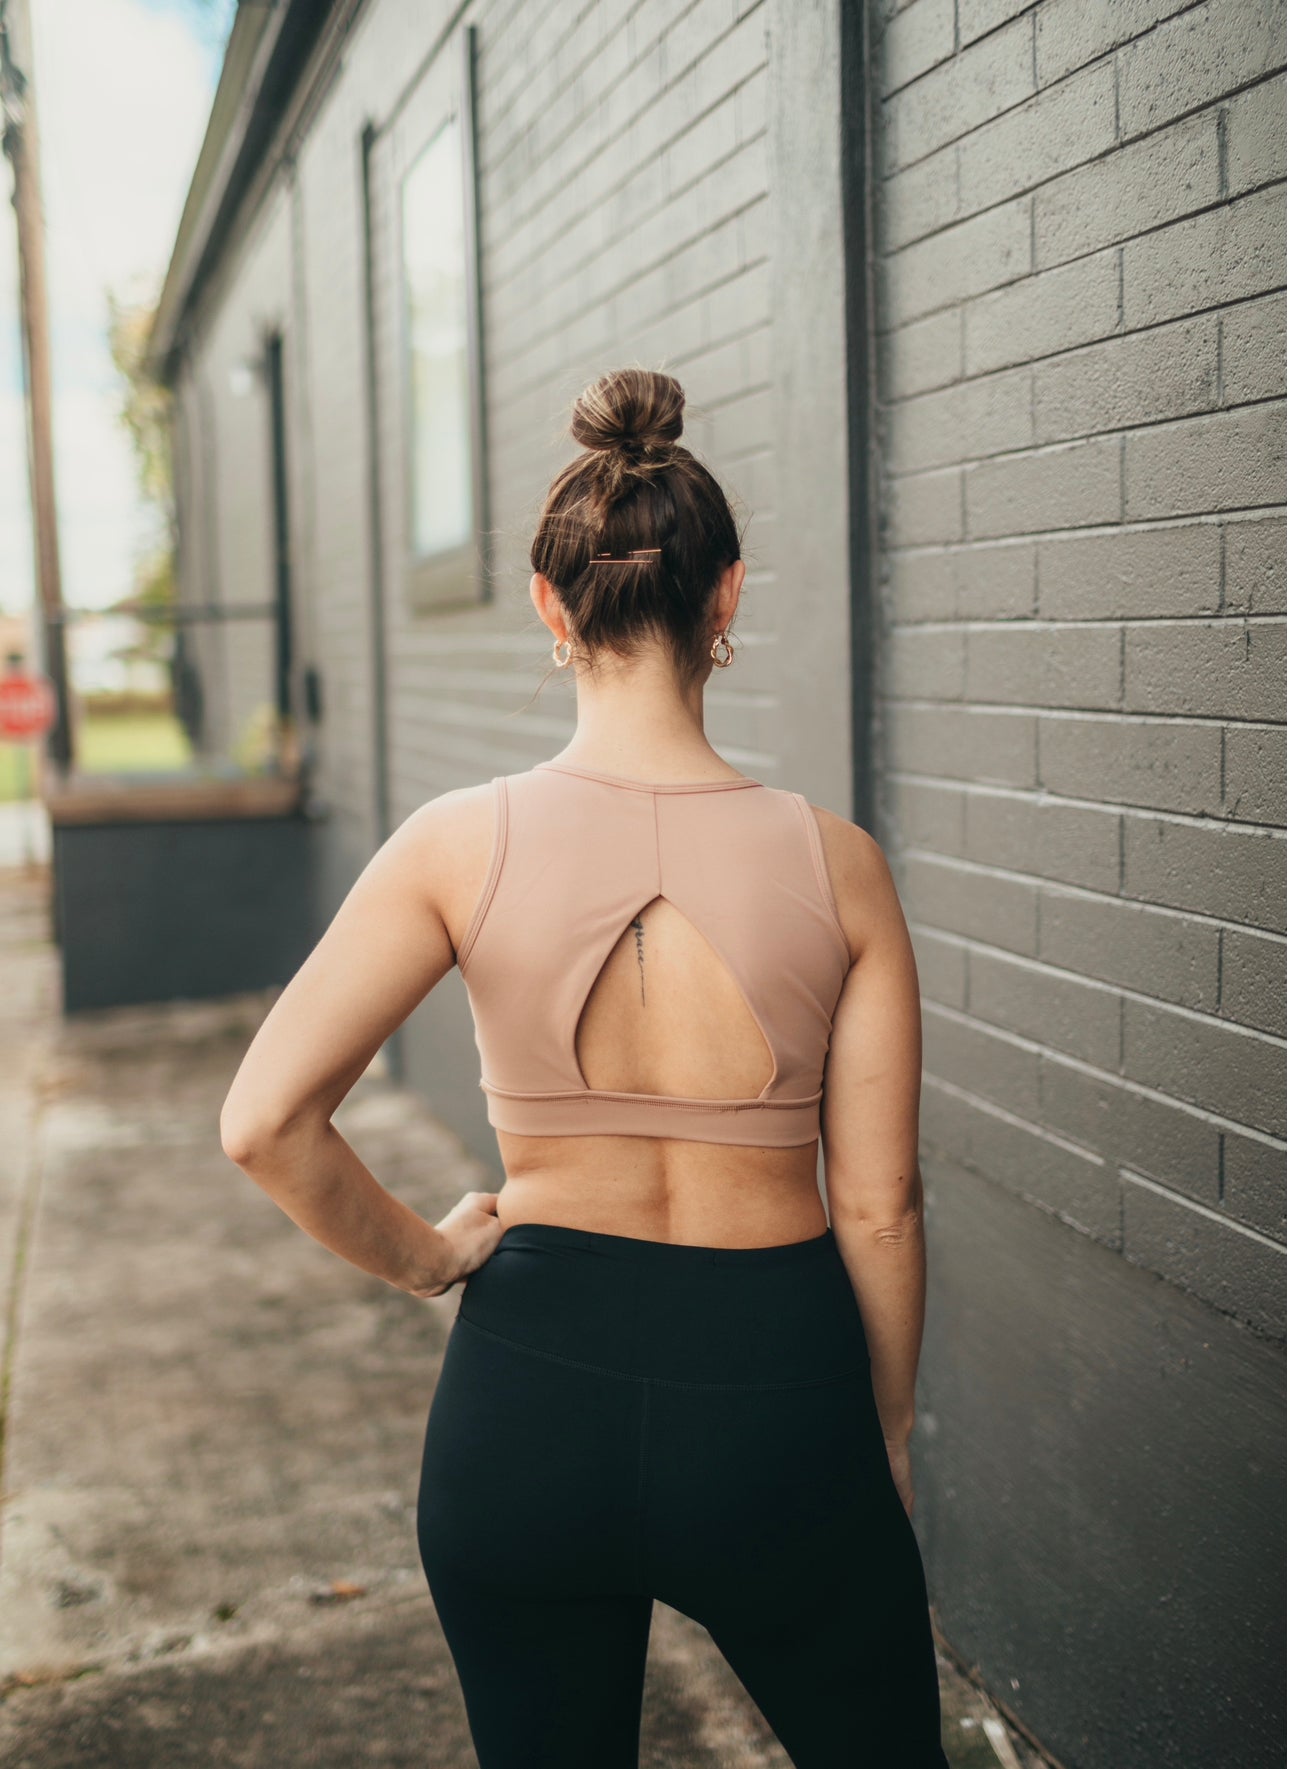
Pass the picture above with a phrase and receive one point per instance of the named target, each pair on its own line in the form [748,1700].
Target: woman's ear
[544,599]
[729,585]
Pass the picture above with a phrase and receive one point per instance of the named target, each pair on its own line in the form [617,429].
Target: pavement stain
[213,1430]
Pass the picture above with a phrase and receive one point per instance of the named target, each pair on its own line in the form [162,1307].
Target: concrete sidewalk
[212,1429]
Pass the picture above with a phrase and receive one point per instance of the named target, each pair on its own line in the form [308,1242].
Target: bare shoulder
[444,847]
[457,815]
[863,887]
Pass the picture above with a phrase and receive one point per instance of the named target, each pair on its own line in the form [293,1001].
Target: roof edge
[268,47]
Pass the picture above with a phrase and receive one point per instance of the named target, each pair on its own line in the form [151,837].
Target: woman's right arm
[869,1129]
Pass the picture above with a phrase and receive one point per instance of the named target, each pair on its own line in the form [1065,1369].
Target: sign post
[28,708]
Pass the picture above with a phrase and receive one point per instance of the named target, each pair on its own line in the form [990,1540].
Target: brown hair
[634,488]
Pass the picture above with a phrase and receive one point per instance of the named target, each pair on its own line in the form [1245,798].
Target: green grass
[17,771]
[132,743]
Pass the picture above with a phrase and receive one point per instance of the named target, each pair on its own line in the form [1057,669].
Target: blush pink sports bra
[576,856]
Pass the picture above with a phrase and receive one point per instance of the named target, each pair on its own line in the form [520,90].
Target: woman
[670,1375]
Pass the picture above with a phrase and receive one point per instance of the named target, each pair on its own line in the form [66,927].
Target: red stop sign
[28,705]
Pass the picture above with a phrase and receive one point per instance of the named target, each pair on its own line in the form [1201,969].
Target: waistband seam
[661,1381]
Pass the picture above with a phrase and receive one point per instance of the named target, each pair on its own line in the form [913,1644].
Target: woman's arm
[385,949]
[869,1128]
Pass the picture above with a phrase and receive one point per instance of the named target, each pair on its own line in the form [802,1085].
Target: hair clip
[625,558]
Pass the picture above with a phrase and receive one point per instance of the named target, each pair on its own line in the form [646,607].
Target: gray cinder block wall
[1080,256]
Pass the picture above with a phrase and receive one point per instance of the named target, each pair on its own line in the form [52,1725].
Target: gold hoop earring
[560,662]
[722,662]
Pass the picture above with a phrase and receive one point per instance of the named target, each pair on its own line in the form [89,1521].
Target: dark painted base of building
[172,910]
[1101,1492]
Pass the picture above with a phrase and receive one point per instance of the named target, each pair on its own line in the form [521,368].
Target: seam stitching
[816,844]
[640,1487]
[501,825]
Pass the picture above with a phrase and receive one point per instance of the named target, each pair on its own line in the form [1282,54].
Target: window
[443,426]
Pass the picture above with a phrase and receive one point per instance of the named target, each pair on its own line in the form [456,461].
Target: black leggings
[620,1420]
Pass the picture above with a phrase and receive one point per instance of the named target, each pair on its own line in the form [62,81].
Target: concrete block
[980,253]
[990,1064]
[1156,952]
[924,663]
[1253,989]
[1254,763]
[1256,136]
[1217,668]
[914,41]
[921,585]
[1236,1269]
[920,200]
[960,423]
[1234,872]
[1131,573]
[1200,55]
[1176,1145]
[960,743]
[1068,37]
[980,905]
[958,95]
[1072,844]
[978,17]
[942,967]
[924,507]
[925,814]
[1077,1187]
[1254,350]
[1161,766]
[1056,1009]
[1043,666]
[918,357]
[1076,485]
[1237,1074]
[735,305]
[1226,254]
[985,582]
[1057,310]
[1224,461]
[742,425]
[1054,130]
[1254,565]
[1169,372]
[1254,1182]
[1142,186]
[996,582]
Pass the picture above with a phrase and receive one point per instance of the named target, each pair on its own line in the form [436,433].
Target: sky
[123,89]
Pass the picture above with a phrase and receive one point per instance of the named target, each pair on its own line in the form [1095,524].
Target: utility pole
[21,146]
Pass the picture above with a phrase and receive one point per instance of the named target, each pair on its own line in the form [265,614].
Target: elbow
[897,1231]
[238,1139]
[892,1219]
[245,1135]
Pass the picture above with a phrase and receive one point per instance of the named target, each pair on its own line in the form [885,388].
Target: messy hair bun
[633,409]
[636,488]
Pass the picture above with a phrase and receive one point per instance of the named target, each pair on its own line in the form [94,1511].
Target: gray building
[979,306]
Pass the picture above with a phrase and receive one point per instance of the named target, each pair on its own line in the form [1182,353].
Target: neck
[636,718]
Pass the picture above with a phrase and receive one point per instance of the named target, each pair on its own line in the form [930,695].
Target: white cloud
[124,92]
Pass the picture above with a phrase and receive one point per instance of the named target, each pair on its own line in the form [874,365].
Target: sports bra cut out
[576,856]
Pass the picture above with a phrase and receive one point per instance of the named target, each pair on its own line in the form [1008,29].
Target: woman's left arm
[385,949]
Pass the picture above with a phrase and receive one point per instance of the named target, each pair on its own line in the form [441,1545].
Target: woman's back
[653,969]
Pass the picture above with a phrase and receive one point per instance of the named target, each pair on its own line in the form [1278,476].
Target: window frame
[455,577]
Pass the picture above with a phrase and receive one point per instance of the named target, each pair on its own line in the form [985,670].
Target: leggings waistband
[720,1316]
[680,1255]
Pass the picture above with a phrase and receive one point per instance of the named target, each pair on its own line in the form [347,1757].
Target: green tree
[144,412]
